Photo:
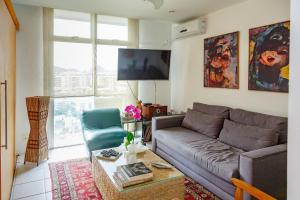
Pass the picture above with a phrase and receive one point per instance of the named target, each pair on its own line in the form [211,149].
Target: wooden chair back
[242,186]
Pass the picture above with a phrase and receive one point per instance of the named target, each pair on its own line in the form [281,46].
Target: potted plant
[134,112]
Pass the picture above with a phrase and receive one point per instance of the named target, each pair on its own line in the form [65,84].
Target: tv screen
[143,64]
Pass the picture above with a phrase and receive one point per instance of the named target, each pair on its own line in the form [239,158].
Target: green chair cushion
[101,118]
[104,138]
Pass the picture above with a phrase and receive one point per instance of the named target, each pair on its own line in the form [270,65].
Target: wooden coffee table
[166,184]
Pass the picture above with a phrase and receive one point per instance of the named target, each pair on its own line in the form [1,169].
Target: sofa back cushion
[212,109]
[279,124]
[247,137]
[209,125]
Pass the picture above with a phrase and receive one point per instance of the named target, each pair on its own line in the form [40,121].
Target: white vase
[130,157]
[132,148]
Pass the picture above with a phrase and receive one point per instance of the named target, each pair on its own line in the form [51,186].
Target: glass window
[67,125]
[72,24]
[73,69]
[112,28]
[107,66]
[73,73]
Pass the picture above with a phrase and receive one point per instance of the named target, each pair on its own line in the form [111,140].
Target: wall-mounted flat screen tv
[143,64]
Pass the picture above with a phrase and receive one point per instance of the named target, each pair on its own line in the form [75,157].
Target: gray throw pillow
[261,120]
[212,109]
[247,137]
[209,125]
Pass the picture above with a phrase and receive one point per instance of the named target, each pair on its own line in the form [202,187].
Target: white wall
[29,67]
[154,35]
[294,106]
[187,60]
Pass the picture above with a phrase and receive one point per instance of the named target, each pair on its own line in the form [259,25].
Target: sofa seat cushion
[218,158]
[209,125]
[104,138]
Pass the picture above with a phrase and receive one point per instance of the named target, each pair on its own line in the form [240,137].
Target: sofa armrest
[162,123]
[266,169]
[166,121]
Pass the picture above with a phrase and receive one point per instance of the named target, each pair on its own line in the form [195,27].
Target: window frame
[94,41]
[48,41]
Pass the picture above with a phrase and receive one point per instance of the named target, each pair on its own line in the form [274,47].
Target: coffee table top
[159,175]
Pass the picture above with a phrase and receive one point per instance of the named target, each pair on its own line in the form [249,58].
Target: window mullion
[94,46]
[71,39]
[113,42]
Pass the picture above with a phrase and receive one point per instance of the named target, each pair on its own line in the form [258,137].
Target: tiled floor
[33,182]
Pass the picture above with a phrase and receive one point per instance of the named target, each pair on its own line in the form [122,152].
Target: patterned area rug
[73,179]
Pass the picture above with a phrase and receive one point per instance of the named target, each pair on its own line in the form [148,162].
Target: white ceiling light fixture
[157,3]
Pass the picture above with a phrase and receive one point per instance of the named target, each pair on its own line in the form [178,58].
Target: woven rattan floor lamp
[37,145]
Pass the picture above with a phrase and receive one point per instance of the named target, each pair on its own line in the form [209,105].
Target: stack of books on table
[132,174]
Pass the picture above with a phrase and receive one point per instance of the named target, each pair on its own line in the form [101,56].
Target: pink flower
[137,116]
[129,108]
[134,112]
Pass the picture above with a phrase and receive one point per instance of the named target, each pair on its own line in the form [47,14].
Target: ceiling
[140,9]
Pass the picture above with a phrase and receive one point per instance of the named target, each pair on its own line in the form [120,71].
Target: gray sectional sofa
[213,144]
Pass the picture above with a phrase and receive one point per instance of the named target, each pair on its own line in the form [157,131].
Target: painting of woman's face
[269,57]
[221,61]
[273,59]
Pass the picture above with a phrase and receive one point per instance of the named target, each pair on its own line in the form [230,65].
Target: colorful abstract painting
[221,61]
[269,57]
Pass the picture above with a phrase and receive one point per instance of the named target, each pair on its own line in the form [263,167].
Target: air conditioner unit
[193,27]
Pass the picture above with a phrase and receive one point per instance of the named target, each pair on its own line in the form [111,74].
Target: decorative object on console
[139,104]
[154,110]
[269,57]
[221,61]
[37,145]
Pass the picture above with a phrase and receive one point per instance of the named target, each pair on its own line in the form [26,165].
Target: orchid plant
[136,114]
[133,111]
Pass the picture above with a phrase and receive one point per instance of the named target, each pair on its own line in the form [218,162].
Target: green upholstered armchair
[102,128]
